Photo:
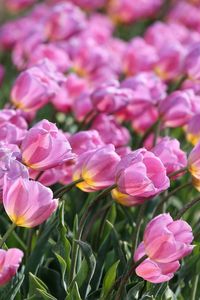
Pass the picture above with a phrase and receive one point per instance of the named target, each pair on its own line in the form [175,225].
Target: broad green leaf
[74,293]
[109,280]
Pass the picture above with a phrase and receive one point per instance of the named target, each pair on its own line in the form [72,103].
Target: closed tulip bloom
[45,147]
[193,130]
[110,131]
[33,89]
[165,242]
[194,165]
[125,199]
[141,174]
[10,261]
[16,6]
[110,98]
[173,158]
[13,126]
[28,203]
[83,141]
[92,166]
[178,108]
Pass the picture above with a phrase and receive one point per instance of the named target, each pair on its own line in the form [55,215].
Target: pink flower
[64,20]
[110,131]
[92,167]
[193,129]
[194,165]
[9,263]
[28,203]
[83,141]
[16,6]
[178,108]
[110,98]
[45,147]
[82,106]
[33,89]
[139,56]
[88,4]
[13,126]
[169,152]
[125,199]
[165,242]
[73,87]
[141,174]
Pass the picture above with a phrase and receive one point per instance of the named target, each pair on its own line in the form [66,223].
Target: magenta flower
[110,131]
[92,167]
[165,242]
[169,152]
[13,126]
[178,108]
[194,165]
[9,263]
[45,147]
[141,174]
[83,141]
[28,203]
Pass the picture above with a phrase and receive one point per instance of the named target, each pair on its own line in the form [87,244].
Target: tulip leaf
[74,293]
[109,280]
[38,288]
[91,262]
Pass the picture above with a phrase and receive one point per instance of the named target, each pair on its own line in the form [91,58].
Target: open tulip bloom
[99,149]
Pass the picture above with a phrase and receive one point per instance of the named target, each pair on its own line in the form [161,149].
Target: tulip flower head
[9,263]
[28,203]
[165,242]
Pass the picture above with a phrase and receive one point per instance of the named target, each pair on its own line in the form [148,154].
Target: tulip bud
[28,203]
[45,147]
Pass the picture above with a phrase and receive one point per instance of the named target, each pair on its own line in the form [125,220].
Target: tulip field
[100,150]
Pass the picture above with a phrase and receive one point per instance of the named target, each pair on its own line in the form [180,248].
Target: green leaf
[74,293]
[133,293]
[63,267]
[109,280]
[91,262]
[38,288]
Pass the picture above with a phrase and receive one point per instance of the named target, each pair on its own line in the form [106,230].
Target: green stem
[60,192]
[164,199]
[6,235]
[138,226]
[177,172]
[125,278]
[81,227]
[186,207]
[194,289]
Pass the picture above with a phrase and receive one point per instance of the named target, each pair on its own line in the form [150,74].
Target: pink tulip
[45,147]
[165,242]
[82,106]
[33,89]
[88,4]
[178,108]
[92,165]
[63,21]
[125,199]
[55,54]
[16,6]
[193,130]
[110,131]
[169,152]
[139,56]
[73,87]
[194,165]
[13,126]
[141,174]
[110,98]
[83,141]
[192,63]
[28,203]
[10,261]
